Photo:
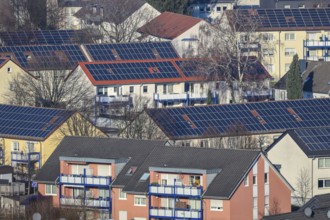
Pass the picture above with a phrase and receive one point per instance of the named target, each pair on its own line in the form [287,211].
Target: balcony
[112,99]
[318,58]
[12,189]
[180,96]
[100,203]
[155,212]
[317,43]
[25,157]
[85,180]
[177,191]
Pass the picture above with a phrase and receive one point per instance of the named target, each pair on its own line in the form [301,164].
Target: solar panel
[133,70]
[44,57]
[317,139]
[30,122]
[235,119]
[131,51]
[42,37]
[2,61]
[283,18]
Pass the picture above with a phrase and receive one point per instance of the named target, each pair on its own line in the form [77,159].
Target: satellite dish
[328,214]
[36,216]
[308,212]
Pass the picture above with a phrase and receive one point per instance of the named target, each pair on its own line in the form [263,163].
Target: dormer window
[94,10]
[131,170]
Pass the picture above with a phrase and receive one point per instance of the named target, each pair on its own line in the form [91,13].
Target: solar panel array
[252,118]
[316,139]
[43,57]
[131,51]
[133,70]
[2,61]
[290,18]
[42,37]
[29,121]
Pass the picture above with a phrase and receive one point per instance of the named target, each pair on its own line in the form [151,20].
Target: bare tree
[231,46]
[7,18]
[304,186]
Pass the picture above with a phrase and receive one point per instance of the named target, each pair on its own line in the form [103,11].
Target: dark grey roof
[233,164]
[73,3]
[320,205]
[312,141]
[104,148]
[316,78]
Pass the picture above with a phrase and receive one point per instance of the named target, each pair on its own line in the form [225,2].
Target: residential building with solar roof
[223,126]
[29,135]
[303,153]
[144,179]
[286,32]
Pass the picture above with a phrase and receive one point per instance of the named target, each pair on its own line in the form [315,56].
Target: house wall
[318,174]
[70,21]
[7,73]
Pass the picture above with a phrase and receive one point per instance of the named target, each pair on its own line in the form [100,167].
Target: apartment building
[287,32]
[157,181]
[242,125]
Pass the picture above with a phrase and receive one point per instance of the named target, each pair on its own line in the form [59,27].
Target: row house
[316,81]
[29,135]
[282,33]
[157,182]
[311,148]
[241,125]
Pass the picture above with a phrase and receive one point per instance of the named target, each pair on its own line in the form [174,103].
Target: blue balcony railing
[158,212]
[99,203]
[175,190]
[85,180]
[25,157]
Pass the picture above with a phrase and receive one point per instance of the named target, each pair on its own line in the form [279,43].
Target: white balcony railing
[109,99]
[175,190]
[85,180]
[88,202]
[318,58]
[12,189]
[258,93]
[18,156]
[179,96]
[163,212]
[315,43]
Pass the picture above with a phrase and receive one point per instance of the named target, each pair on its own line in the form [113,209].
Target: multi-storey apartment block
[157,182]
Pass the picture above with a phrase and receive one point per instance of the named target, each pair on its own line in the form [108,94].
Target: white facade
[70,21]
[281,94]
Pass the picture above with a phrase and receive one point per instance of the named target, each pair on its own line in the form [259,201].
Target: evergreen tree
[294,82]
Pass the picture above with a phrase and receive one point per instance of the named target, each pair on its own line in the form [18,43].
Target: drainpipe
[279,55]
[313,175]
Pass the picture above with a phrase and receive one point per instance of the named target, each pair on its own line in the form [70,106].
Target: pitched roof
[312,141]
[169,25]
[281,19]
[144,154]
[103,148]
[30,123]
[319,205]
[316,78]
[241,119]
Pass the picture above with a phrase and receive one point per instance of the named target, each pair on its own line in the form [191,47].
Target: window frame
[266,177]
[216,207]
[52,188]
[288,52]
[145,89]
[254,180]
[324,180]
[15,144]
[289,36]
[246,181]
[140,199]
[324,163]
[131,89]
[122,195]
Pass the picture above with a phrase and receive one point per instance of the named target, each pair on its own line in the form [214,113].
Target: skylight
[144,177]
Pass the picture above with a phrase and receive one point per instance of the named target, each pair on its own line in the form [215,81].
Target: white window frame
[268,37]
[246,181]
[30,146]
[140,200]
[289,36]
[122,195]
[50,190]
[323,179]
[289,52]
[266,175]
[15,146]
[9,70]
[254,180]
[324,164]
[216,205]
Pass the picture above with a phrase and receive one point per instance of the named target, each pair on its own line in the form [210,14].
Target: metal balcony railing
[86,180]
[12,189]
[317,43]
[176,190]
[25,157]
[110,99]
[175,213]
[88,202]
[180,96]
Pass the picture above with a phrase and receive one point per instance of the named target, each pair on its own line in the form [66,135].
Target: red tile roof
[169,25]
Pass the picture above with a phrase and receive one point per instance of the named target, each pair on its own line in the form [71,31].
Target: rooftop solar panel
[30,122]
[2,61]
[44,57]
[131,51]
[289,18]
[42,37]
[316,139]
[247,118]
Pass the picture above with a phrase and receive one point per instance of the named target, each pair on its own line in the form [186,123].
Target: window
[140,200]
[301,6]
[289,36]
[224,8]
[50,190]
[9,70]
[144,177]
[194,204]
[195,180]
[15,146]
[131,89]
[131,171]
[244,38]
[246,181]
[324,183]
[170,88]
[266,177]
[204,143]
[185,144]
[270,67]
[311,36]
[268,52]
[216,205]
[104,193]
[289,51]
[122,195]
[208,8]
[201,9]
[254,180]
[324,163]
[115,89]
[30,146]
[218,9]
[102,90]
[145,89]
[268,37]
[287,6]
